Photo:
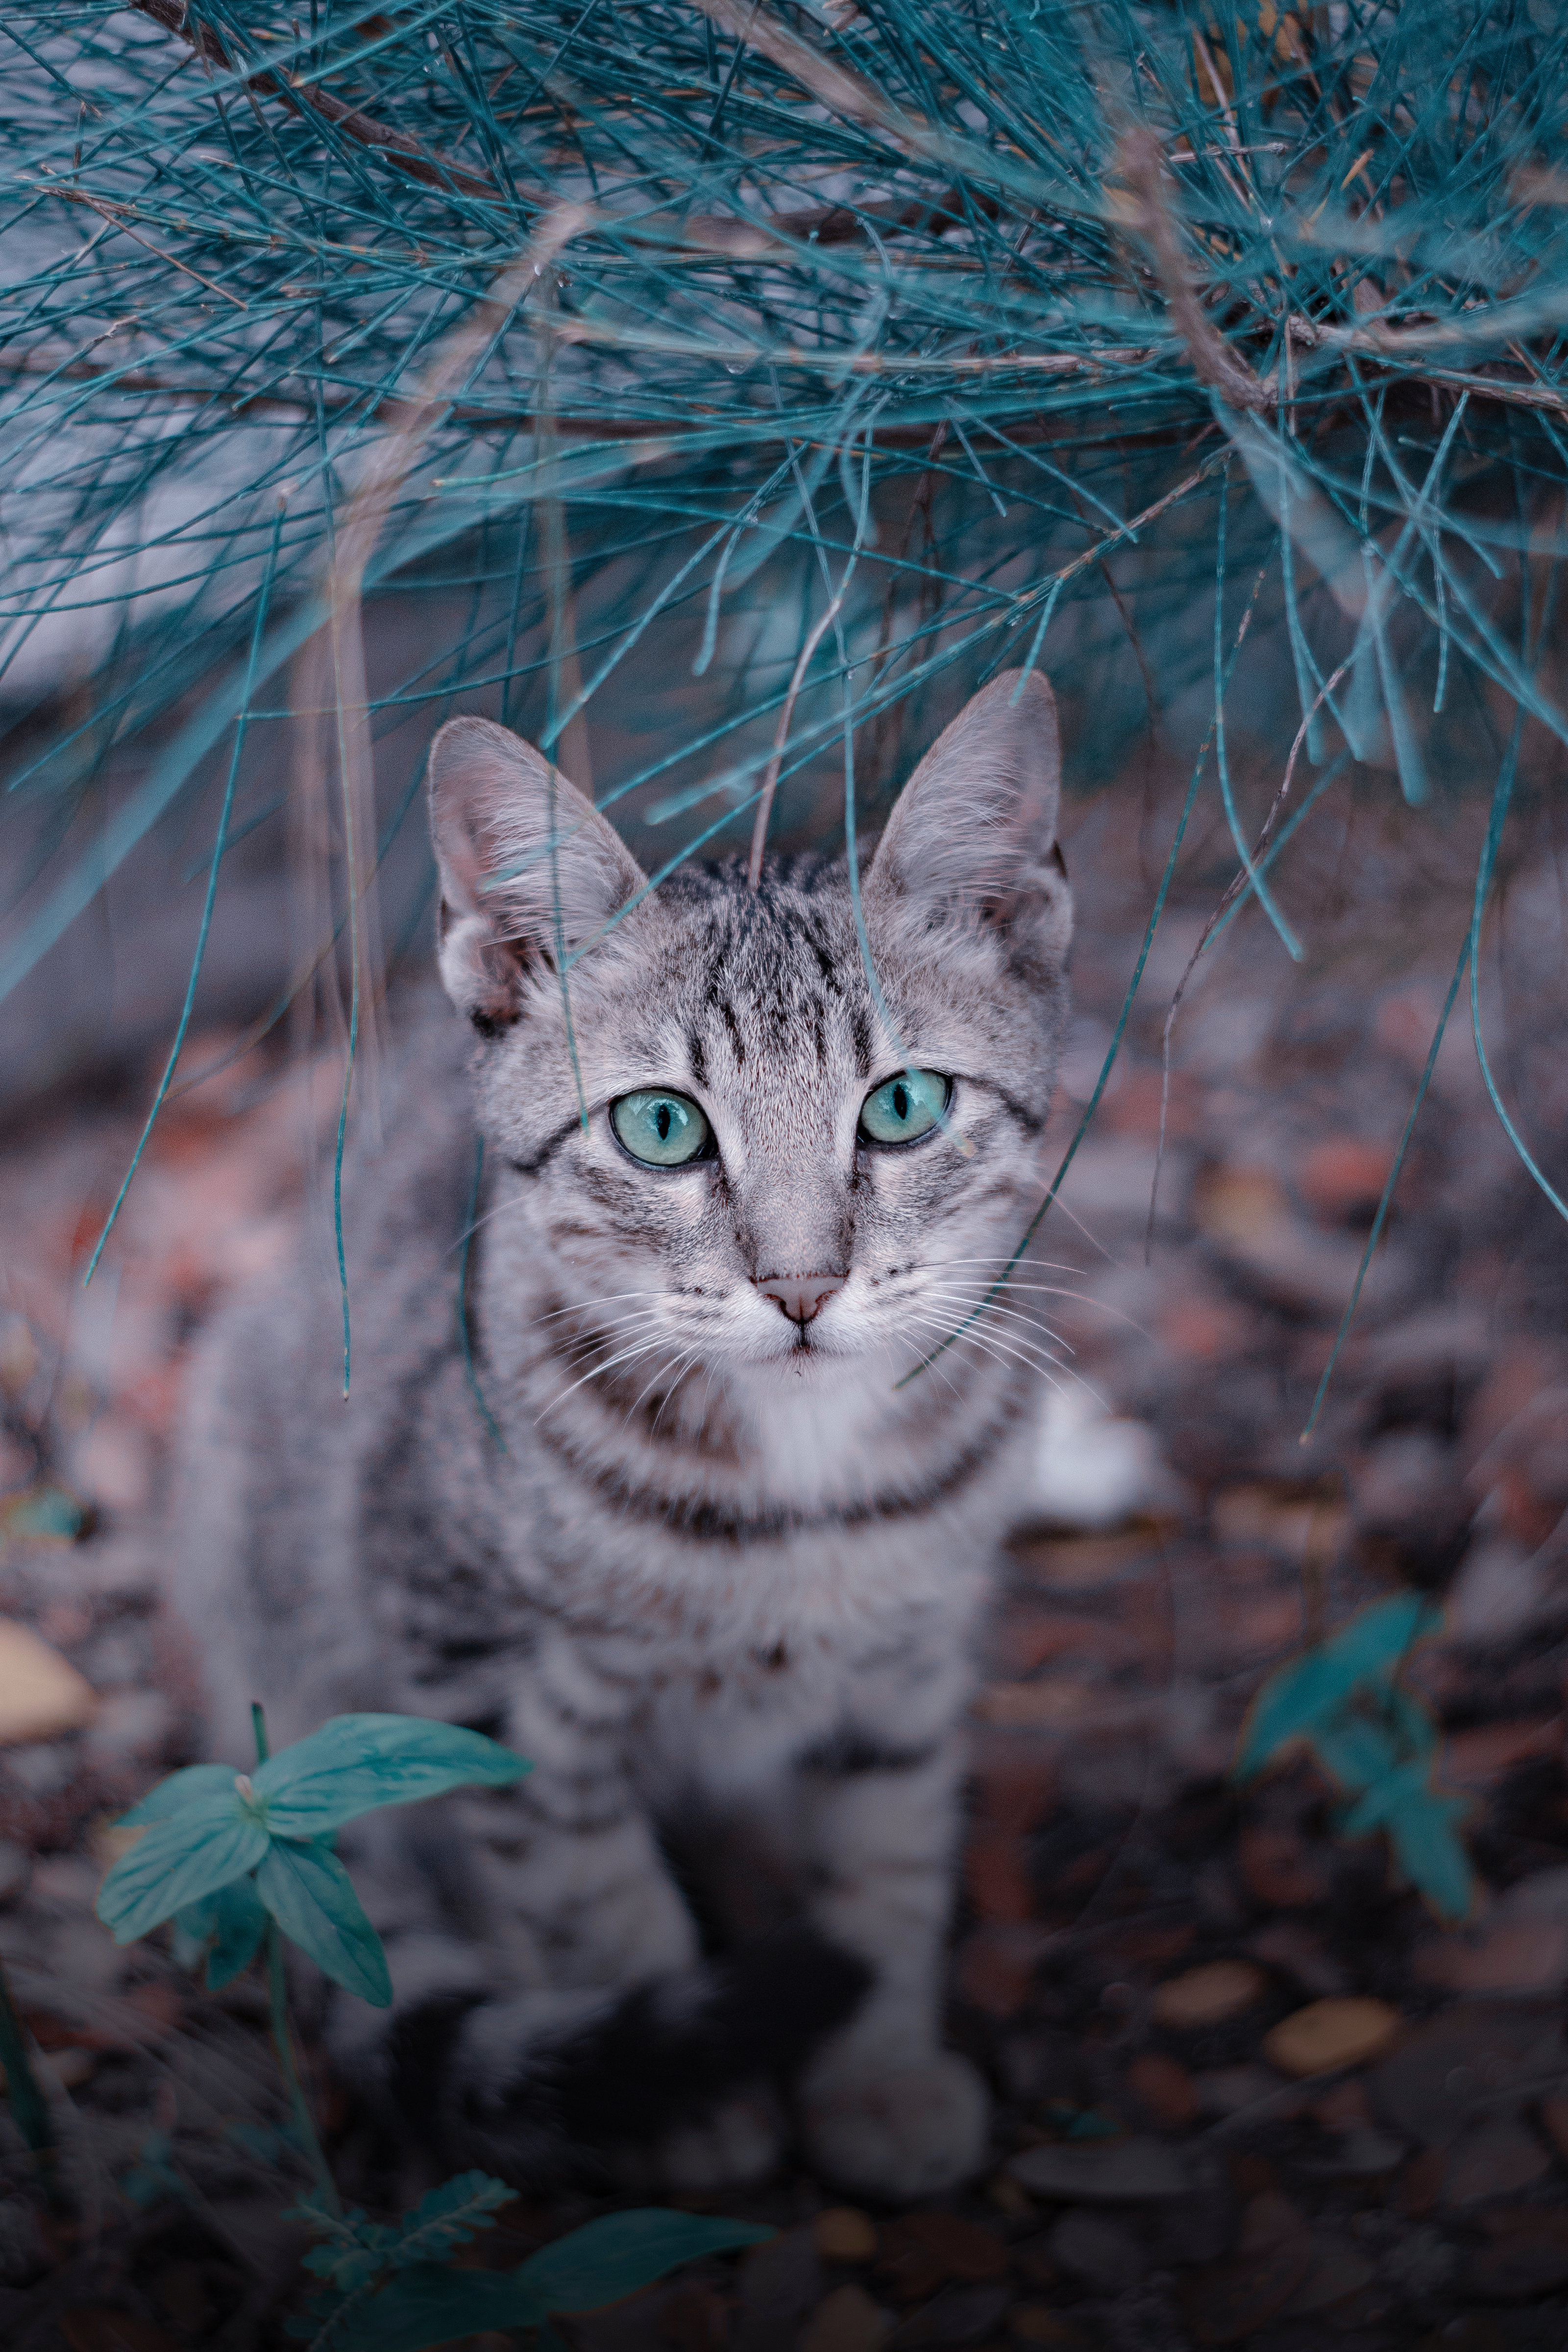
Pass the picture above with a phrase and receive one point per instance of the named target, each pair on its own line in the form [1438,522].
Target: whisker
[627,1356]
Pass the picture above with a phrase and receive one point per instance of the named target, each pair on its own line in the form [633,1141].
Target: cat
[649,1504]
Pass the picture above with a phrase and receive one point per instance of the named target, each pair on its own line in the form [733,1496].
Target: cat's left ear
[528,867]
[972,838]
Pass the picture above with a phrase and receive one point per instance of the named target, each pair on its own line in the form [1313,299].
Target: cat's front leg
[883,2108]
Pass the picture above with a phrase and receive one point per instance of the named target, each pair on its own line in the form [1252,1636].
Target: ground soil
[1161,2178]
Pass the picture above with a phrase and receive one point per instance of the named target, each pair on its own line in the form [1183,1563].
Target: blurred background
[717,394]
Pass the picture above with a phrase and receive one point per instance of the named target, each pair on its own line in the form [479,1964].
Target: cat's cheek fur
[715,1566]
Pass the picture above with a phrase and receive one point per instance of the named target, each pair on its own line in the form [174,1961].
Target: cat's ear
[972,838]
[527,865]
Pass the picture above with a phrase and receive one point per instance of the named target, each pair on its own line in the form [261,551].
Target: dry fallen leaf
[1343,2032]
[40,1695]
[1208,1995]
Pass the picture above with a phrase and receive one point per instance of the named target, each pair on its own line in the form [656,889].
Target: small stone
[845,2321]
[1124,2172]
[1032,2324]
[1514,1956]
[1495,2159]
[1279,1869]
[1165,2089]
[1227,2301]
[1554,2117]
[844,2234]
[1208,1995]
[1299,1951]
[1329,2033]
[1102,2252]
[41,1695]
[1227,2090]
[1338,2270]
[922,2250]
[959,2315]
[1428,2088]
[1527,2255]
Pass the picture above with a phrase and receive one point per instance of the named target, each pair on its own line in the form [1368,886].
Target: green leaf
[1424,1832]
[1311,1689]
[172,1796]
[431,2304]
[1422,1829]
[448,2217]
[356,1762]
[614,2256]
[210,1842]
[224,1929]
[312,1897]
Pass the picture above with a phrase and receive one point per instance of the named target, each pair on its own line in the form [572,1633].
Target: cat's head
[786,1158]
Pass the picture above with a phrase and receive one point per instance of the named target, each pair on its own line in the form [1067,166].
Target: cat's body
[664,1523]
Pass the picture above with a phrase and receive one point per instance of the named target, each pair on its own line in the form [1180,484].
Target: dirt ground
[1134,1927]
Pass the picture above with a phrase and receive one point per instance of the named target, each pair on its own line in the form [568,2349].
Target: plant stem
[29,2107]
[282,2040]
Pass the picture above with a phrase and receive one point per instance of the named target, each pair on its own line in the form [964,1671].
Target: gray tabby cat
[674,1532]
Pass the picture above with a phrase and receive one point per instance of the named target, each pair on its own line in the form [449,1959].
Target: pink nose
[801,1295]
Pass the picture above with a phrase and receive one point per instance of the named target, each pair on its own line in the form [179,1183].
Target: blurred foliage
[832,356]
[1340,1700]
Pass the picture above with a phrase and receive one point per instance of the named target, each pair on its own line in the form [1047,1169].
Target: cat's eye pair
[664,1130]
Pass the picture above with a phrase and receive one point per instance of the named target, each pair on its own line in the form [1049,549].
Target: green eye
[902,1108]
[664,1130]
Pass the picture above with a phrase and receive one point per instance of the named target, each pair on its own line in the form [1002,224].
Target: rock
[1335,2032]
[1091,1472]
[1227,2090]
[1337,2270]
[1428,2086]
[41,1695]
[921,2252]
[1208,1995]
[1554,2117]
[1102,2252]
[1123,2172]
[1495,2159]
[1363,2154]
[1032,2323]
[1299,1951]
[1226,2301]
[959,2315]
[1165,2089]
[845,2321]
[844,2234]
[1527,2255]
[779,2283]
[1507,1956]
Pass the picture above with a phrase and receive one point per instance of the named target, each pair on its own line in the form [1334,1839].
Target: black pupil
[901,1100]
[664,1119]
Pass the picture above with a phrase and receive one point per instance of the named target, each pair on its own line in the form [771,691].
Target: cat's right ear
[528,867]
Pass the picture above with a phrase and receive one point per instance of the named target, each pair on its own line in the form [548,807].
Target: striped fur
[708,1566]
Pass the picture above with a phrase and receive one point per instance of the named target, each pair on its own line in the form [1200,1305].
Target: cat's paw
[898,2132]
[741,2141]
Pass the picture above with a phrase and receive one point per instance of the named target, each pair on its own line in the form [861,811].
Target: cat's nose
[800,1296]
